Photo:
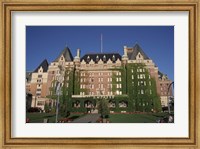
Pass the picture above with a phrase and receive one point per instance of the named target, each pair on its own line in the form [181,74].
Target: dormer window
[113,58]
[61,58]
[139,55]
[104,58]
[97,58]
[88,58]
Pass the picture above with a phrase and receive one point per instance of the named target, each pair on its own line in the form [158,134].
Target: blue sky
[46,42]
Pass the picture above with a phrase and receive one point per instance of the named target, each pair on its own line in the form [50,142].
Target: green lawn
[113,118]
[136,118]
[39,117]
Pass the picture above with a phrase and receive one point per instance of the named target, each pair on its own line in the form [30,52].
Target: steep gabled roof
[160,75]
[28,76]
[136,50]
[44,65]
[97,56]
[67,55]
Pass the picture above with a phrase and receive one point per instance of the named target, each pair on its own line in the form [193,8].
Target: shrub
[34,109]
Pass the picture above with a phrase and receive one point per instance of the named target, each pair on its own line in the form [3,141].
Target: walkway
[89,118]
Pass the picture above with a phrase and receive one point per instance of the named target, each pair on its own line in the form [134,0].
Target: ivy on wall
[138,90]
[141,89]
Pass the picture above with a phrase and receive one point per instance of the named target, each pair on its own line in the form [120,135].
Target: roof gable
[44,66]
[137,49]
[66,53]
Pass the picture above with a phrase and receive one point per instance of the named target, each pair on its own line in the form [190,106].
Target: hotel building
[130,83]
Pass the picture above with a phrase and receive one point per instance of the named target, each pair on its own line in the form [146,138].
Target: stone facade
[131,82]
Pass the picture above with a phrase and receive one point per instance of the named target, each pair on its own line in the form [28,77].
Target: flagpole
[57,106]
[101,43]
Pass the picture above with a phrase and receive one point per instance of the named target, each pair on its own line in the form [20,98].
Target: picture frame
[7,7]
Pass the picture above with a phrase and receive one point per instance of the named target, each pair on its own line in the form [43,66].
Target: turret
[77,58]
[125,56]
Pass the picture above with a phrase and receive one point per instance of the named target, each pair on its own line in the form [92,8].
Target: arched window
[88,58]
[104,58]
[113,58]
[97,58]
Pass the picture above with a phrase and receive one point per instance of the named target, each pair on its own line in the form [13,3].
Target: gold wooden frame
[192,6]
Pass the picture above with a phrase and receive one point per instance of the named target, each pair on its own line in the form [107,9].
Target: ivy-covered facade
[129,83]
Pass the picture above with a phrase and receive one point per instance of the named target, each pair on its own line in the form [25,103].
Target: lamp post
[57,102]
[168,97]
[58,87]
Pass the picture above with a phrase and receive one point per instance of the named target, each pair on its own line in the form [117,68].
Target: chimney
[125,50]
[78,53]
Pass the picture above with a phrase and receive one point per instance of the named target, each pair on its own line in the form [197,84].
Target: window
[39,76]
[81,79]
[38,94]
[149,83]
[142,92]
[97,58]
[38,89]
[144,83]
[138,91]
[142,76]
[113,58]
[132,70]
[40,103]
[132,76]
[104,58]
[88,58]
[120,79]
[149,77]
[150,92]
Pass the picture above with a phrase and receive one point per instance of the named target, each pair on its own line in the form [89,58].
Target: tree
[103,107]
